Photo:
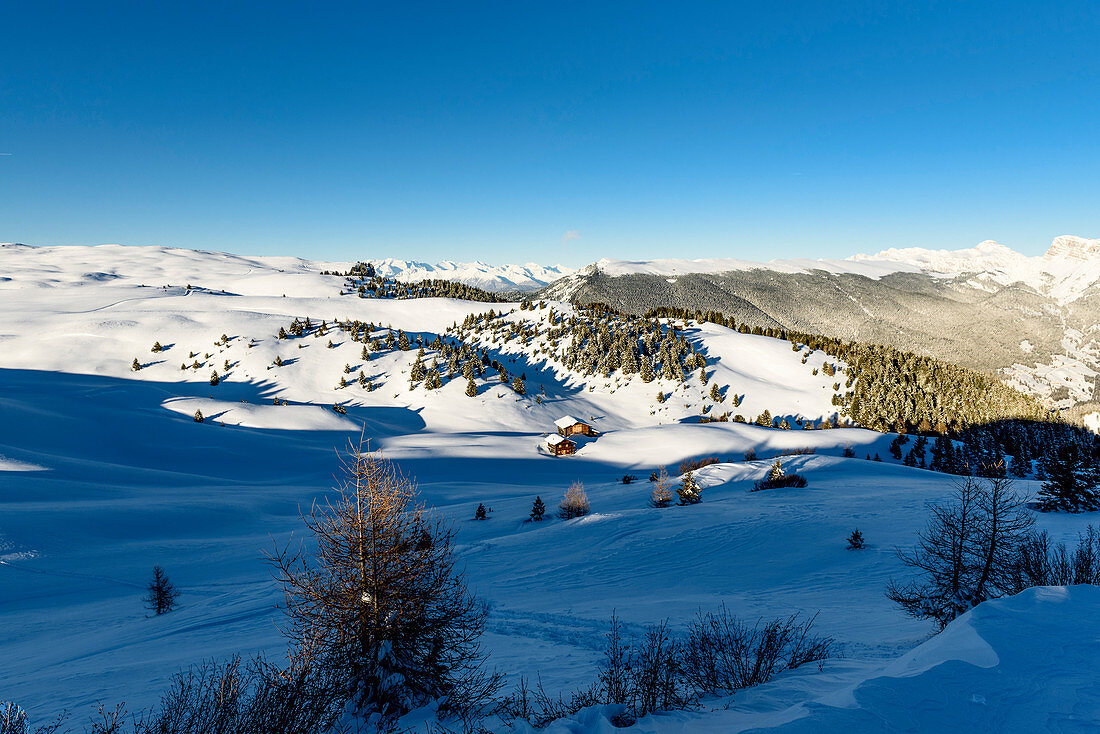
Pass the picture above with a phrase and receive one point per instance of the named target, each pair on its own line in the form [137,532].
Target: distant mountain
[503,278]
[1033,320]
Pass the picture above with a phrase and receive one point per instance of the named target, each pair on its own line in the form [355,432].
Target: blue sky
[490,131]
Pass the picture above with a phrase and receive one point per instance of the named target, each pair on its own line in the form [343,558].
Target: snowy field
[103,473]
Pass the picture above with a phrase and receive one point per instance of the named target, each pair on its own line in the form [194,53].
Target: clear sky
[549,132]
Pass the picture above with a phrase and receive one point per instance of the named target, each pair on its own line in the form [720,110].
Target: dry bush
[574,503]
[1041,563]
[804,451]
[693,464]
[723,654]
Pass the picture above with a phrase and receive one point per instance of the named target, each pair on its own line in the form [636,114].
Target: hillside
[1031,320]
[104,472]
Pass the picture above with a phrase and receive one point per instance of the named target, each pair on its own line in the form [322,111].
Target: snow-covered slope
[170,264]
[500,278]
[103,472]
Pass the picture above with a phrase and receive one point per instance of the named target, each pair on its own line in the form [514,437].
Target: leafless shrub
[1041,563]
[804,451]
[723,654]
[698,463]
[13,719]
[656,672]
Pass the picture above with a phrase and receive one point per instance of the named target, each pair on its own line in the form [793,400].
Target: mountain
[1032,320]
[501,278]
[161,264]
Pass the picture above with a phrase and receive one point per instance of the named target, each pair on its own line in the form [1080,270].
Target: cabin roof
[554,439]
[567,420]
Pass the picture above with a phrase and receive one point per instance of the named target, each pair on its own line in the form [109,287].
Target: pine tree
[471,388]
[479,513]
[382,595]
[364,354]
[661,396]
[519,387]
[278,361]
[855,540]
[538,509]
[402,341]
[160,593]
[214,379]
[282,333]
[703,375]
[343,382]
[1071,478]
[715,393]
[362,379]
[136,366]
[198,416]
[647,374]
[688,491]
[157,347]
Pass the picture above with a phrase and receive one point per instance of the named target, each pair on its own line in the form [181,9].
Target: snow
[873,270]
[104,473]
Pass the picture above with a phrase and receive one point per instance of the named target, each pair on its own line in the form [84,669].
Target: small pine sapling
[661,496]
[688,491]
[160,593]
[538,509]
[157,347]
[855,540]
[136,366]
[214,378]
[198,416]
[479,513]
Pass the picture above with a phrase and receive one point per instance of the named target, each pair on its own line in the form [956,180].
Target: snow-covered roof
[565,421]
[554,439]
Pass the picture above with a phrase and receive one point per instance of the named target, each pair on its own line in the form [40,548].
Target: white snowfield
[104,472]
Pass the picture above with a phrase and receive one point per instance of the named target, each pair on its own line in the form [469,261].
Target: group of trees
[979,545]
[364,281]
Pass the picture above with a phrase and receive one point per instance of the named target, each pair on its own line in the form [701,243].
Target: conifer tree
[362,379]
[1071,478]
[703,375]
[402,341]
[282,333]
[715,393]
[343,382]
[538,509]
[198,416]
[471,388]
[647,371]
[157,347]
[661,496]
[136,366]
[519,387]
[479,513]
[855,540]
[278,361]
[688,491]
[160,593]
[381,596]
[661,396]
[214,378]
[364,354]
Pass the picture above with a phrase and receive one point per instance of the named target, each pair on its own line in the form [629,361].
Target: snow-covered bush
[779,477]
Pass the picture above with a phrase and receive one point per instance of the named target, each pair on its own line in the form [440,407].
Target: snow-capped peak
[1073,248]
[986,256]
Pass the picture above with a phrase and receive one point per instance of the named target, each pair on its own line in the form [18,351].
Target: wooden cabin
[560,445]
[569,426]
